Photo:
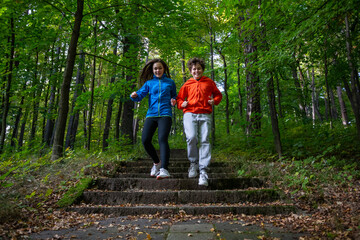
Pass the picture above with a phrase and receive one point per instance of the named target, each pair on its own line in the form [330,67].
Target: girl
[162,95]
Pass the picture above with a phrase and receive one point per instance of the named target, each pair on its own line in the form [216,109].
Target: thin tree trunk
[212,39]
[343,110]
[278,97]
[74,116]
[6,102]
[17,121]
[50,123]
[333,110]
[273,114]
[109,111]
[22,130]
[313,103]
[298,90]
[65,88]
[253,109]
[327,86]
[92,86]
[117,121]
[355,91]
[183,66]
[227,122]
[126,127]
[239,90]
[36,100]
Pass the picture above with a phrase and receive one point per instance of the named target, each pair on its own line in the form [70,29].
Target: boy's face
[158,69]
[196,71]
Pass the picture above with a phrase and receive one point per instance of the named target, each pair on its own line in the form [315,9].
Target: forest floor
[333,212]
[334,215]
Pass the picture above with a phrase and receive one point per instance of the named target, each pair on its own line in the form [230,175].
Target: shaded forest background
[284,68]
[288,71]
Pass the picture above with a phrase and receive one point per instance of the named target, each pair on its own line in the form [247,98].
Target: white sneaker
[193,170]
[163,174]
[203,179]
[155,170]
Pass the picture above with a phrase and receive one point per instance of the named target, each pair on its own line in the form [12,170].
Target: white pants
[197,130]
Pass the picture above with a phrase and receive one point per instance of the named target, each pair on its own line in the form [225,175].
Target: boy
[196,98]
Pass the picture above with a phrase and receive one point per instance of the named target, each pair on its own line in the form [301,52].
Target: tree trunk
[278,96]
[74,116]
[6,101]
[298,90]
[327,86]
[109,111]
[239,89]
[183,66]
[343,110]
[36,100]
[126,127]
[212,39]
[17,120]
[273,114]
[355,91]
[333,109]
[92,86]
[117,121]
[227,122]
[253,109]
[22,129]
[50,123]
[65,88]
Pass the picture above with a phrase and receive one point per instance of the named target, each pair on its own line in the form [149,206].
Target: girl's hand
[173,102]
[133,95]
[184,104]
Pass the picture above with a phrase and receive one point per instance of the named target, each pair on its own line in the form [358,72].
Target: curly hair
[194,61]
[147,71]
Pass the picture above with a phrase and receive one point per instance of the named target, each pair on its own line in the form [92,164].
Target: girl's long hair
[147,72]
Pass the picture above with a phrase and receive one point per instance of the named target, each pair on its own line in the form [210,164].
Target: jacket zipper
[159,97]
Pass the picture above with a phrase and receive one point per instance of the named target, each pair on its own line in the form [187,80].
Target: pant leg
[164,127]
[191,132]
[149,129]
[204,143]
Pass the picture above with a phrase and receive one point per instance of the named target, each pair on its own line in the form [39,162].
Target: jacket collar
[162,77]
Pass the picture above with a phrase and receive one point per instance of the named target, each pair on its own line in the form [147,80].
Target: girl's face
[158,69]
[197,71]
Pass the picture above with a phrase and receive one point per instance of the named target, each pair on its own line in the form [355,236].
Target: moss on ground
[74,193]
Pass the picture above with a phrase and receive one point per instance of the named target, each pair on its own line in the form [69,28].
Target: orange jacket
[197,93]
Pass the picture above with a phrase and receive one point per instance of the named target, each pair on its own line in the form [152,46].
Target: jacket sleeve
[181,97]
[216,94]
[142,92]
[173,91]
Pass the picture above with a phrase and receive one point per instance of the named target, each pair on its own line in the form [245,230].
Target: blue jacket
[160,90]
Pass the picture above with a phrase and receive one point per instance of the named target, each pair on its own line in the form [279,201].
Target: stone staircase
[131,191]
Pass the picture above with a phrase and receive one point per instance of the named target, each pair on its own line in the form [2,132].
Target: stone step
[176,153]
[180,197]
[142,169]
[173,175]
[122,184]
[167,211]
[181,164]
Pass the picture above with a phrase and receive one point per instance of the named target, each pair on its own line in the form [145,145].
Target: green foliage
[74,193]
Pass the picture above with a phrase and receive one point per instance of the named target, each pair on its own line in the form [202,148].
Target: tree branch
[100,57]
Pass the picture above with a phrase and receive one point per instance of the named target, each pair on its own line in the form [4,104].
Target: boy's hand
[173,102]
[133,95]
[211,101]
[184,104]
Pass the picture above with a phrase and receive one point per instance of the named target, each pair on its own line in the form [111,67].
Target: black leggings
[164,125]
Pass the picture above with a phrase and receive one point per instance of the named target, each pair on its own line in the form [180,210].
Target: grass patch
[74,193]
